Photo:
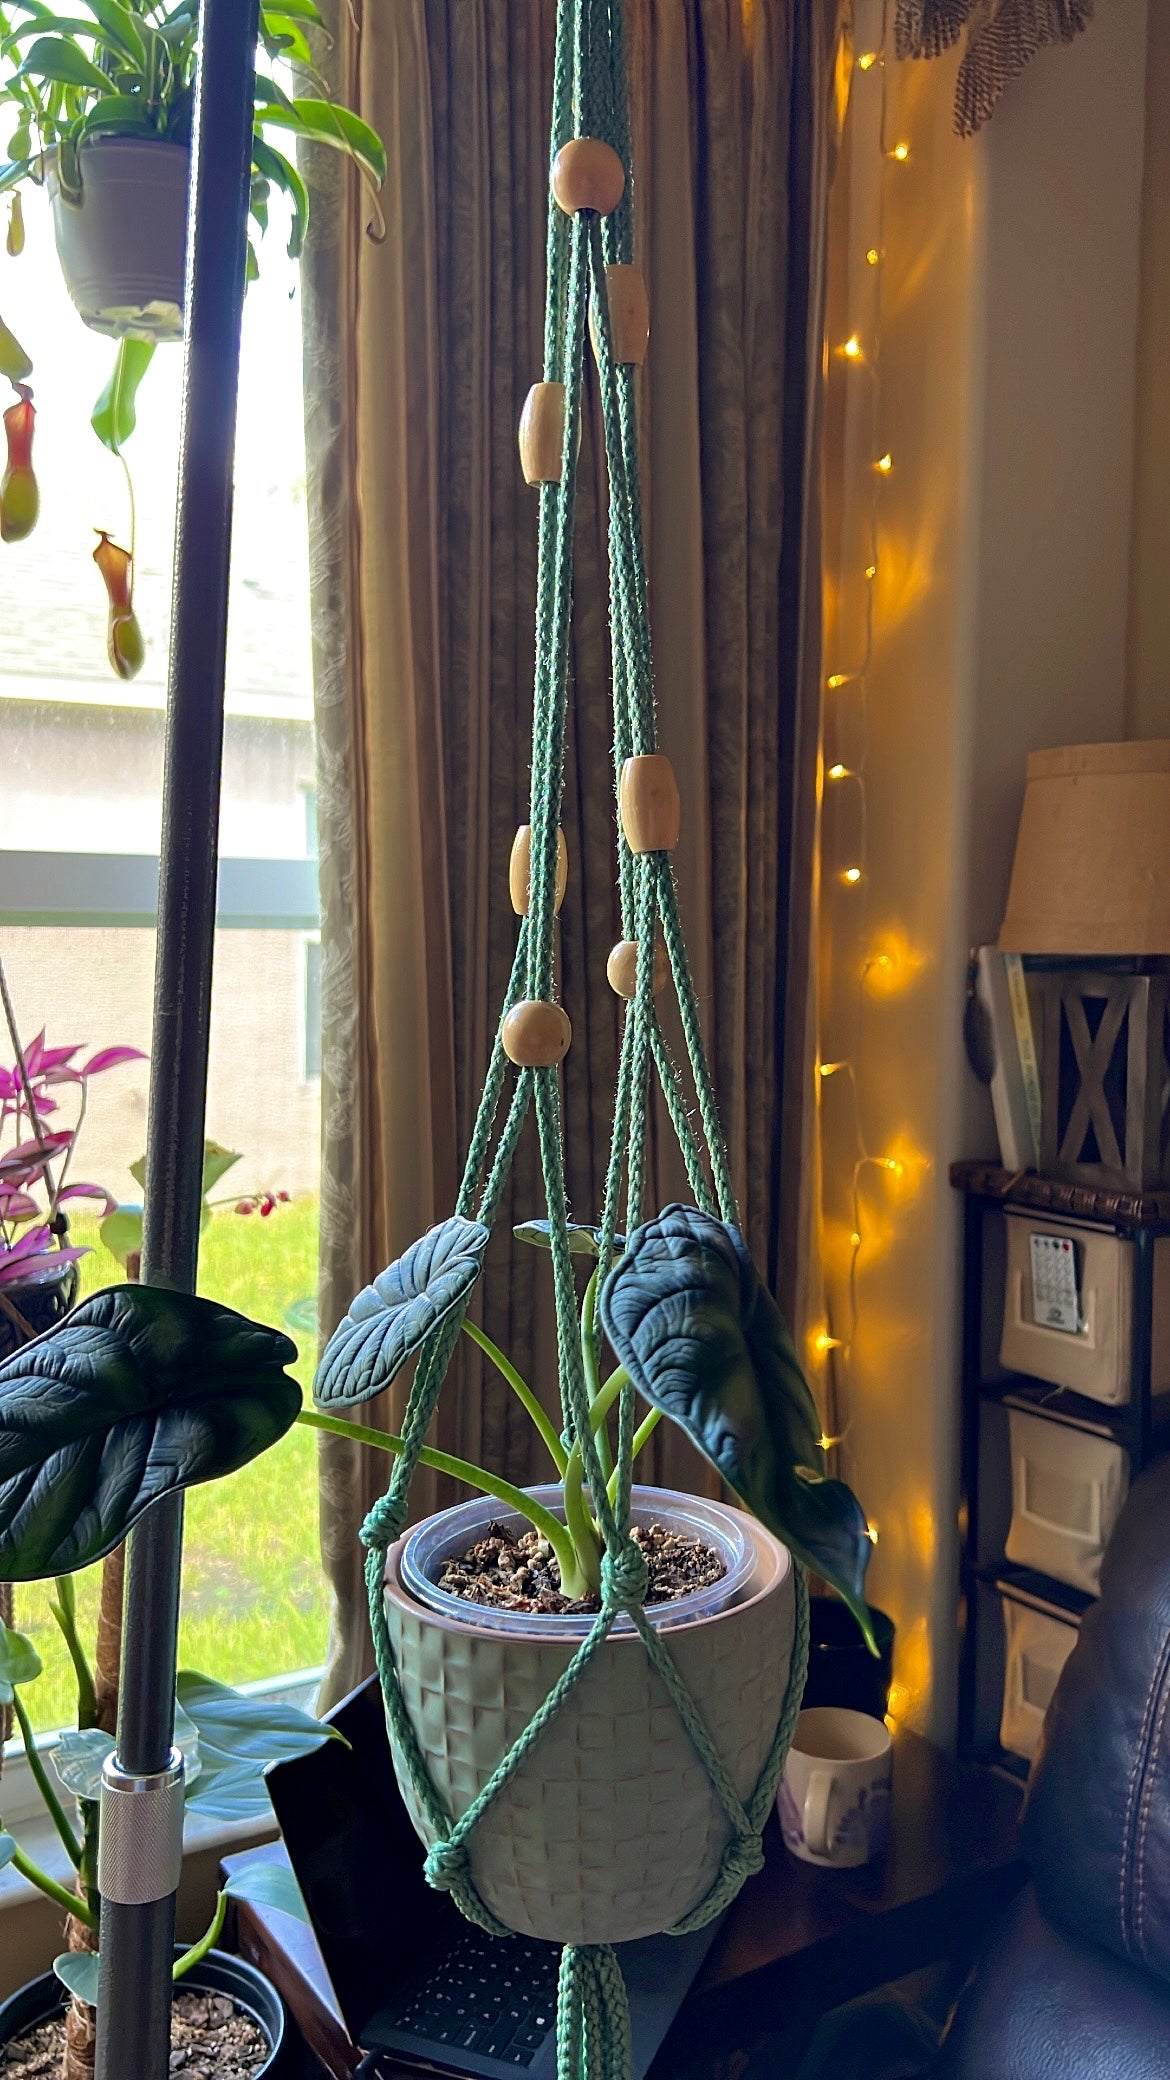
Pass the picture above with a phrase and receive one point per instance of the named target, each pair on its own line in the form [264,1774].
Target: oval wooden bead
[542,433]
[520,870]
[536,1034]
[587,174]
[629,315]
[649,802]
[622,968]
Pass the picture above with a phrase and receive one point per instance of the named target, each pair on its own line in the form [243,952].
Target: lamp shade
[1091,875]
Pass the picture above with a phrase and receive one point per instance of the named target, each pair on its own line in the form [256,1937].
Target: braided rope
[589,99]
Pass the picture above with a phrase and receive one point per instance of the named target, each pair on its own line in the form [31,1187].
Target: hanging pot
[122,242]
[29,1306]
[43,1999]
[610,1829]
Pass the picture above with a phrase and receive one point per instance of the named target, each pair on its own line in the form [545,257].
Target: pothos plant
[99,69]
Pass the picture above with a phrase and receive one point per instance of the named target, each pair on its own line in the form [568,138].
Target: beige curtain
[420,350]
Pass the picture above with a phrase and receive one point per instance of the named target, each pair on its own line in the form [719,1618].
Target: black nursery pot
[841,1669]
[40,1302]
[44,1998]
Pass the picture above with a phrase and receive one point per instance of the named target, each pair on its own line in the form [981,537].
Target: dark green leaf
[234,1729]
[583,1242]
[78,1970]
[7,1849]
[275,167]
[704,1341]
[19,1662]
[114,416]
[117,115]
[286,39]
[79,1758]
[58,58]
[121,29]
[20,143]
[326,122]
[389,1320]
[268,1885]
[137,1394]
[299,10]
[64,25]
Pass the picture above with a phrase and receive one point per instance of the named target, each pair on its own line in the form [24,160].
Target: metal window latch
[140,1839]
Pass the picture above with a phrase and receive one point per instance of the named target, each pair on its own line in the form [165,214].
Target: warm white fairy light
[832,1342]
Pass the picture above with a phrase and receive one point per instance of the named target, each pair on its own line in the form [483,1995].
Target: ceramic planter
[122,246]
[44,1998]
[30,1306]
[610,1830]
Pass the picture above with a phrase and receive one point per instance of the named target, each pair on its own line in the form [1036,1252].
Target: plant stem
[642,1434]
[198,1951]
[541,1519]
[523,1392]
[49,1886]
[589,1361]
[56,1810]
[65,1613]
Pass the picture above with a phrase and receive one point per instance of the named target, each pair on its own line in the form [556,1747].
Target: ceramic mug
[834,1798]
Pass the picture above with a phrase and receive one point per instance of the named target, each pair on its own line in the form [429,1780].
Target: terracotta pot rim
[755,1591]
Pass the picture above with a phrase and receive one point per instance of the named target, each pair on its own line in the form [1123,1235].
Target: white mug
[834,1797]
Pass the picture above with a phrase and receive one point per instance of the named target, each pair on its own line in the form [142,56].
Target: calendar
[1056,1299]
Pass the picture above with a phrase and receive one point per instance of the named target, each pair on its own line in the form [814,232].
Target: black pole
[133,2034]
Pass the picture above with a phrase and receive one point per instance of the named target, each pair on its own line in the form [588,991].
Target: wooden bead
[520,870]
[629,315]
[587,174]
[622,967]
[649,802]
[536,1034]
[542,433]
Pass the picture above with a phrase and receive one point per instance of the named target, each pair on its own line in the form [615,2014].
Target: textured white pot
[123,246]
[611,1829]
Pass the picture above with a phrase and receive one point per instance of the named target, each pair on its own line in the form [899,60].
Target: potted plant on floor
[137,1394]
[38,1266]
[98,98]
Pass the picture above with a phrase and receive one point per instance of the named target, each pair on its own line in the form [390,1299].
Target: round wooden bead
[520,870]
[629,315]
[587,174]
[542,433]
[536,1034]
[649,803]
[622,967]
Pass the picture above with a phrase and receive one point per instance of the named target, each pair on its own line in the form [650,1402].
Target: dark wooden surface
[1024,1188]
[798,1940]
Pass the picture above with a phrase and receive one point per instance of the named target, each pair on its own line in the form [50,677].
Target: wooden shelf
[1123,1211]
[1038,1397]
[1039,1592]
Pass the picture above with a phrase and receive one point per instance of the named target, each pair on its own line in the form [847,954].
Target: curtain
[419,351]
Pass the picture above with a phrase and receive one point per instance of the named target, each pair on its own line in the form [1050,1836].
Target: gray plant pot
[123,244]
[43,1998]
[39,1302]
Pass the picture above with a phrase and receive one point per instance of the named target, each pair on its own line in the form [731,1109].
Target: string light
[891,965]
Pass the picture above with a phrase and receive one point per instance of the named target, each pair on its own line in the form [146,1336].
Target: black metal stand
[1139,1218]
[133,2040]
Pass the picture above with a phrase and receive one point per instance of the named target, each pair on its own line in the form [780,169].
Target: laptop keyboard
[493,1996]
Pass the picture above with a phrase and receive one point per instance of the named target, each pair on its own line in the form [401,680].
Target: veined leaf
[326,122]
[704,1341]
[114,416]
[269,1885]
[79,1970]
[232,1793]
[388,1322]
[235,1730]
[139,1393]
[583,1242]
[58,58]
[79,1758]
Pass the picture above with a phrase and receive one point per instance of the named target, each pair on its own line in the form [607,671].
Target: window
[78,838]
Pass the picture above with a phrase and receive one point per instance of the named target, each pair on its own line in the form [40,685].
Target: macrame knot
[623,1577]
[384,1523]
[742,1858]
[447,1865]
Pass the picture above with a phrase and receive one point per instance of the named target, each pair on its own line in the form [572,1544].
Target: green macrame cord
[589,100]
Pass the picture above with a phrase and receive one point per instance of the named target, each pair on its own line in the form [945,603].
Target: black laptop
[412,1978]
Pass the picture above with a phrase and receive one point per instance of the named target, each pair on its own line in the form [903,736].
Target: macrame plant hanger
[589,241]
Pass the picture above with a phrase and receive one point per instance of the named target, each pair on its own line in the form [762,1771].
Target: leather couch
[1074,1982]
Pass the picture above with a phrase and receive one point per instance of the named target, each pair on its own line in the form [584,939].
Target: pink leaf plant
[35,1158]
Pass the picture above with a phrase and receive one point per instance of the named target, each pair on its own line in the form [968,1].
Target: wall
[1148,658]
[1008,388]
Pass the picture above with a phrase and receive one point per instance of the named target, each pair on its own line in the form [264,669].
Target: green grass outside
[254,1597]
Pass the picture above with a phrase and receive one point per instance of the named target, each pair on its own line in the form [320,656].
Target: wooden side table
[797,1942]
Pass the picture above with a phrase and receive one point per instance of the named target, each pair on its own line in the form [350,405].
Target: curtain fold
[423,536]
